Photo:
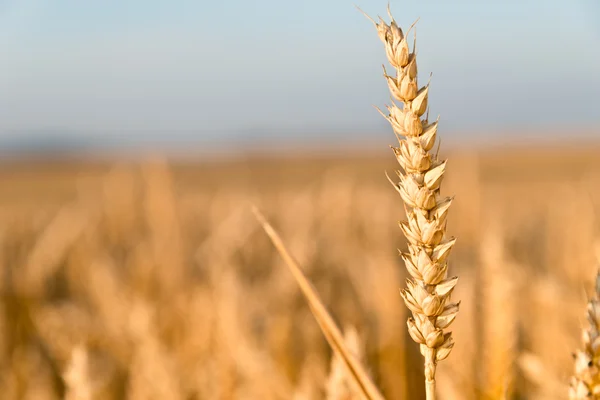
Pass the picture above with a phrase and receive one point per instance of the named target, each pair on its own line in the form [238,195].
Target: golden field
[153,280]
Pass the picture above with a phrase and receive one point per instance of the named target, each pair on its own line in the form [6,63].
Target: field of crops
[154,280]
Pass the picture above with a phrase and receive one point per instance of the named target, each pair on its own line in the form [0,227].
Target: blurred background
[135,135]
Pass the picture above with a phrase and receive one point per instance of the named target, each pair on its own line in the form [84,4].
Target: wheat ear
[585,383]
[428,293]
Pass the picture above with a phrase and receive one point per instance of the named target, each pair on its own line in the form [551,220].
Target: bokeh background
[135,136]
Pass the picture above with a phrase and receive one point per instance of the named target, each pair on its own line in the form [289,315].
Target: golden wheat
[585,383]
[237,325]
[339,385]
[428,294]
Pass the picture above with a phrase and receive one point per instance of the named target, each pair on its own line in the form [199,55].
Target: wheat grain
[428,293]
[585,383]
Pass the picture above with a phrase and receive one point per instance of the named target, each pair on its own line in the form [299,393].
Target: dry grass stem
[77,376]
[429,290]
[339,385]
[330,330]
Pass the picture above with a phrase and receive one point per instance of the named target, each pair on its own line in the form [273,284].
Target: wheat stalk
[77,376]
[585,383]
[428,293]
[330,330]
[339,384]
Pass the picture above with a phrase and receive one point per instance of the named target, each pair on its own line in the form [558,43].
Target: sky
[224,69]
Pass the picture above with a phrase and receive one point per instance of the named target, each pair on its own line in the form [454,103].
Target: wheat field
[153,280]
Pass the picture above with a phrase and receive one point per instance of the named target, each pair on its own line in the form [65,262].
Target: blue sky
[221,68]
